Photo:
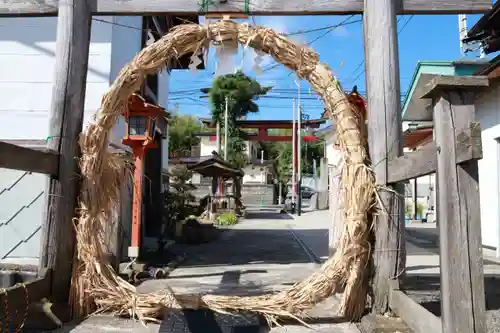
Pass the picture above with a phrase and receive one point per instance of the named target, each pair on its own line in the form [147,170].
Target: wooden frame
[257,7]
[424,162]
[15,297]
[453,156]
[28,159]
[418,318]
[382,69]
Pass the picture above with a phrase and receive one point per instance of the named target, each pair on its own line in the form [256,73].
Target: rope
[4,324]
[204,5]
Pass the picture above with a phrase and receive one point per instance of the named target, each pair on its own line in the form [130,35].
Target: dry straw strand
[95,284]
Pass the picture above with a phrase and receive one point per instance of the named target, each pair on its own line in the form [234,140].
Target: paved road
[268,251]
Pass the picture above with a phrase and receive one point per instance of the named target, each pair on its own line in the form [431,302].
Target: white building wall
[488,114]
[207,146]
[27,68]
[253,174]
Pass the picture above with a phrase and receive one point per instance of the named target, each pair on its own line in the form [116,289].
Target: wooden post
[66,120]
[462,280]
[382,82]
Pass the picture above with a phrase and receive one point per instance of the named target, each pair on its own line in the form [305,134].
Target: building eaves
[484,22]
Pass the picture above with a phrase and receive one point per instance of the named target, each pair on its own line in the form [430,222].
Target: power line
[330,29]
[362,62]
[343,23]
[295,33]
[300,32]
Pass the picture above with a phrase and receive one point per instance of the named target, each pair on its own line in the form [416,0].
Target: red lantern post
[140,119]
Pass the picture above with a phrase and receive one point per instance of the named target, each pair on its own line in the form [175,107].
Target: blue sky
[421,37]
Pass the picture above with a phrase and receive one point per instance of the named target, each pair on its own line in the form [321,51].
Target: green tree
[176,203]
[182,134]
[282,155]
[241,92]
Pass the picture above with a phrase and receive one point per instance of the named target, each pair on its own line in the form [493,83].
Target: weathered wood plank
[17,296]
[462,280]
[418,318]
[66,121]
[440,82]
[28,159]
[424,161]
[256,7]
[382,78]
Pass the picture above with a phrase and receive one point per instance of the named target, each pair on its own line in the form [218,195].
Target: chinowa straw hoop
[96,284]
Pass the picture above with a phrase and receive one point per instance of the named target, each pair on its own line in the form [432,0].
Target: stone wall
[251,194]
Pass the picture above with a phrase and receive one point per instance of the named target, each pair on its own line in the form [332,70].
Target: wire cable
[362,62]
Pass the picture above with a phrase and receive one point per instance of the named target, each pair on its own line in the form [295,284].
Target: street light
[140,120]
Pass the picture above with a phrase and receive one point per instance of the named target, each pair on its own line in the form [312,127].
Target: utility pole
[225,129]
[299,152]
[294,152]
[217,137]
[262,176]
[462,31]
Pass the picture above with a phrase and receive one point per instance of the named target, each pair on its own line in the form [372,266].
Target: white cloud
[277,23]
[341,32]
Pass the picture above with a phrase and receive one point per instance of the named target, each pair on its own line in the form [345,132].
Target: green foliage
[281,153]
[182,134]
[241,92]
[409,209]
[420,209]
[228,218]
[176,203]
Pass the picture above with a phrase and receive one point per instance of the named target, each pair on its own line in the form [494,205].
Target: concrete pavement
[266,252]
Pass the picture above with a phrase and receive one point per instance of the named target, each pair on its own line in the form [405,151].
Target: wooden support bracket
[17,296]
[255,7]
[28,159]
[459,219]
[456,83]
[418,318]
[424,161]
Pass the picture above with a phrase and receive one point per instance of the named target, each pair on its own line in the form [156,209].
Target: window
[137,125]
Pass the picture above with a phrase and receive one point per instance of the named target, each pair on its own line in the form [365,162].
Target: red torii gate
[264,125]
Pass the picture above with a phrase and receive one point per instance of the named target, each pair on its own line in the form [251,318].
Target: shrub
[176,204]
[228,218]
[409,210]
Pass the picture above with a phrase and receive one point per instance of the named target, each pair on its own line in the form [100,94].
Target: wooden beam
[424,161]
[418,318]
[66,121]
[386,142]
[233,7]
[27,159]
[16,297]
[462,279]
[450,82]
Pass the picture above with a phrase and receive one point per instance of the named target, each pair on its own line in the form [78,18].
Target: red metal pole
[133,251]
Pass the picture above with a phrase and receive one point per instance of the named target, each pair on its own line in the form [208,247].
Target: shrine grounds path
[267,251]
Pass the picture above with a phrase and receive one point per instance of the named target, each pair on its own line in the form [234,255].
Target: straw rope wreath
[96,286]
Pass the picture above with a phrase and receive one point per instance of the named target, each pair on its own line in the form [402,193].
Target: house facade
[256,172]
[487,108]
[27,68]
[420,193]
